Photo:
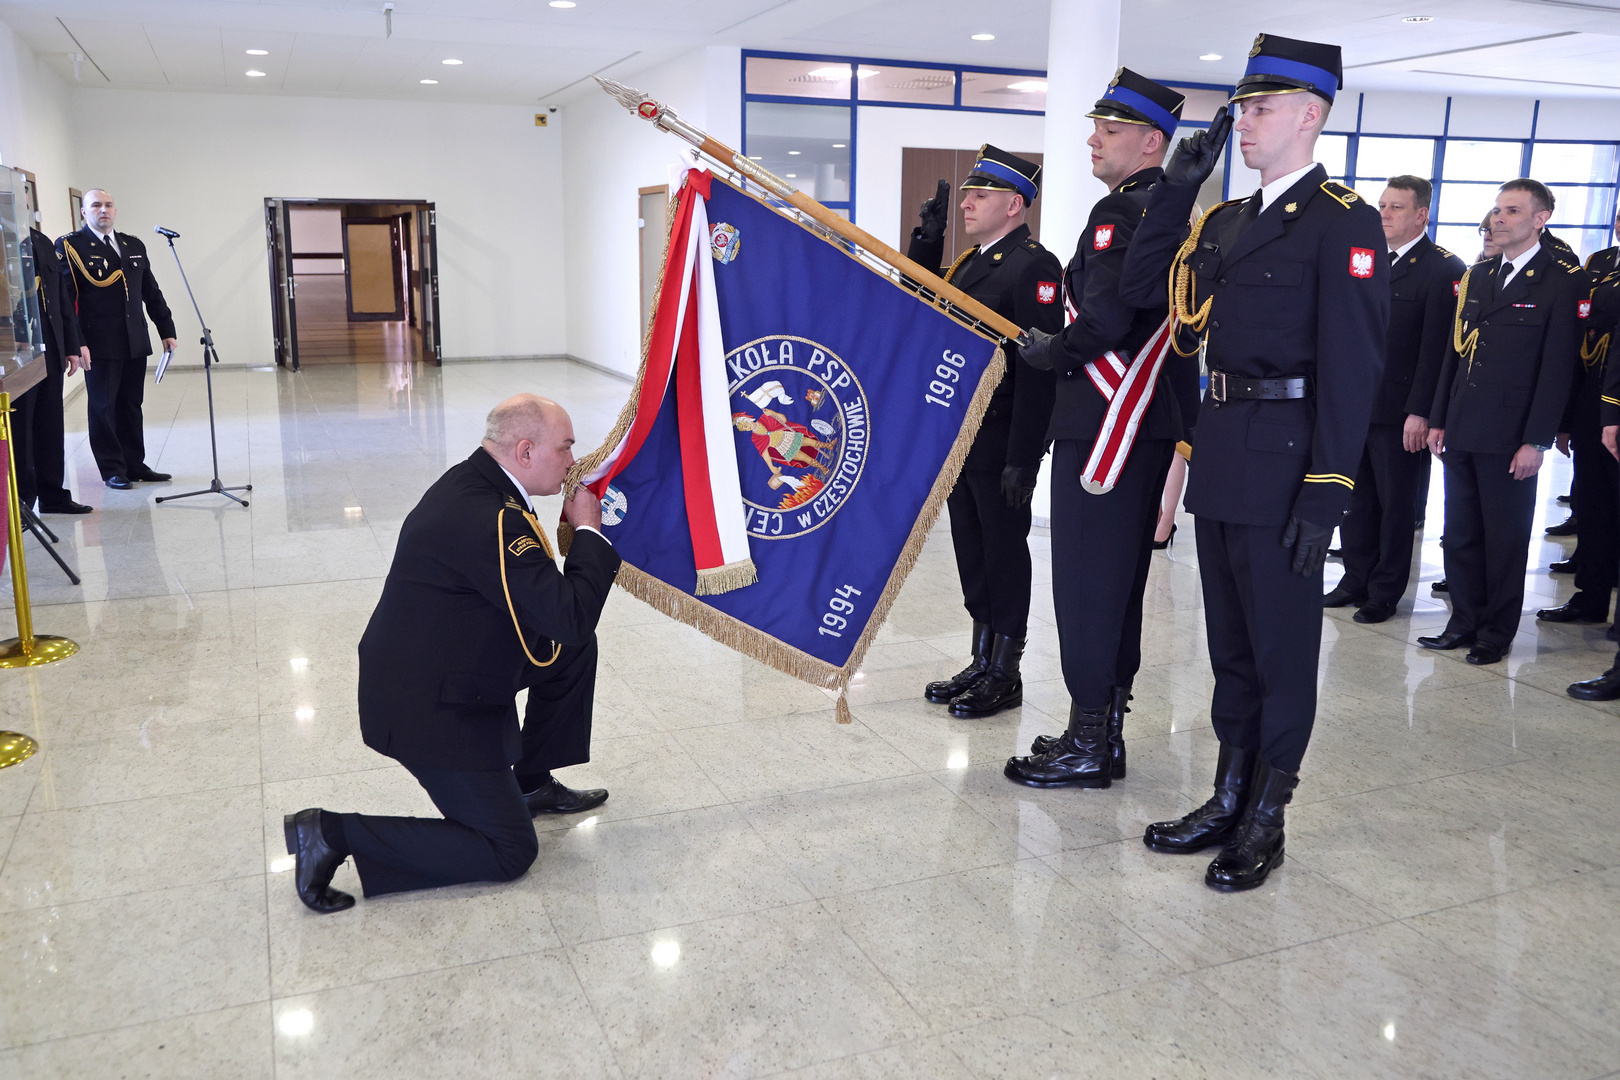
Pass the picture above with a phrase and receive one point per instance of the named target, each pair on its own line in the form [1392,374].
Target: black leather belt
[1224,387]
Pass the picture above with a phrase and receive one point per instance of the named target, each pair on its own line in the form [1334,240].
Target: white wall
[204,163]
[882,133]
[35,127]
[608,155]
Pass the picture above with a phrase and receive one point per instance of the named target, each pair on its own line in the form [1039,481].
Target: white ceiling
[526,52]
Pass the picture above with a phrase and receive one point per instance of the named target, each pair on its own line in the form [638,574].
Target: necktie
[1251,211]
[1394,257]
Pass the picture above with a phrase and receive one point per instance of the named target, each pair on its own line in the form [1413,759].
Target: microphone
[170,233]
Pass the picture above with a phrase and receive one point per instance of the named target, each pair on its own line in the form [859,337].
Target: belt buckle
[1217,387]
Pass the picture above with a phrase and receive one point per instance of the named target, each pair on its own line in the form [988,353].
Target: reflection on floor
[326,336]
[766,893]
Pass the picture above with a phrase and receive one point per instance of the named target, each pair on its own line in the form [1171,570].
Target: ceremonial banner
[773,487]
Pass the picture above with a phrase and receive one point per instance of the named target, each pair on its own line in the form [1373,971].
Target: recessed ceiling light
[984,37]
[839,145]
[563,3]
[1418,19]
[791,175]
[430,82]
[452,63]
[793,153]
[1210,56]
[255,74]
[1029,86]
[258,52]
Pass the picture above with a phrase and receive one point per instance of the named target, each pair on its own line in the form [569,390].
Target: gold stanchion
[24,650]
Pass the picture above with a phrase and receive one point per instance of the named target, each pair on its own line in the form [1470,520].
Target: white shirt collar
[527,501]
[1270,192]
[983,248]
[109,237]
[1401,251]
[1511,267]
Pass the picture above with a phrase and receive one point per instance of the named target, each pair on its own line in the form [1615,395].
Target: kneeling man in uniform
[474,608]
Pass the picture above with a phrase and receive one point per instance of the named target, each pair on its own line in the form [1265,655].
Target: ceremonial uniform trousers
[1102,543]
[1298,291]
[36,421]
[1594,499]
[109,288]
[1017,278]
[1509,387]
[1377,532]
[452,641]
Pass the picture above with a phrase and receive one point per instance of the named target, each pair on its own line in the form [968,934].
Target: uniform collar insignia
[996,257]
[1291,208]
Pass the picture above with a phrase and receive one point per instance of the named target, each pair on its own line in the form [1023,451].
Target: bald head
[99,212]
[532,438]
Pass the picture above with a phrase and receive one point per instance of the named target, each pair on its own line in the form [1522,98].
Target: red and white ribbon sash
[1127,385]
[686,346]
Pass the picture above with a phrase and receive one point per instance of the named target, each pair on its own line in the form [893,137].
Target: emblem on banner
[724,241]
[802,427]
[1046,292]
[1361,262]
[614,506]
[1103,238]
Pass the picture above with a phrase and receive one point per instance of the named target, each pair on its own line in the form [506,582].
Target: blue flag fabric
[853,406]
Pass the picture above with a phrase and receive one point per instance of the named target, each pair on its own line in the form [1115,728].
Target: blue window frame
[812,126]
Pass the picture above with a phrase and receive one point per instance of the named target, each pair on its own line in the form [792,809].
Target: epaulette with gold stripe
[1444,252]
[1345,197]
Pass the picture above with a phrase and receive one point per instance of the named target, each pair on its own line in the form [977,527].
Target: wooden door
[921,169]
[372,280]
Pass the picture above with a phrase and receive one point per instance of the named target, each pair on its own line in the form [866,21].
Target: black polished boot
[1256,847]
[1077,758]
[1116,733]
[1001,686]
[1214,822]
[942,692]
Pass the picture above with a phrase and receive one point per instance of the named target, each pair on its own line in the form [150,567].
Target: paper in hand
[163,365]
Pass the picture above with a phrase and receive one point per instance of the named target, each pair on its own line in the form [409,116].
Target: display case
[22,342]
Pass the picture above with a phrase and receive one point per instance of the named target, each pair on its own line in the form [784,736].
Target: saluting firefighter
[990,517]
[1115,371]
[1289,292]
[1603,317]
[1503,390]
[474,608]
[1378,530]
[109,282]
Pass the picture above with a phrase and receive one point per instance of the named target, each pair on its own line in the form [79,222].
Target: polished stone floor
[766,893]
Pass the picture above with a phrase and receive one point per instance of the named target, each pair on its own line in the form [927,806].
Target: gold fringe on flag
[723,579]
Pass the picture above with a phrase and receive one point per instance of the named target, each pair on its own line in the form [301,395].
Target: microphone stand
[210,358]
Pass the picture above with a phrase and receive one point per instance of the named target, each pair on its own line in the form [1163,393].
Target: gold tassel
[841,710]
[724,579]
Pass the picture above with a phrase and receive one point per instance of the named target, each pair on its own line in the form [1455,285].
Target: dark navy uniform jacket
[1104,321]
[108,289]
[56,306]
[1019,279]
[1301,289]
[1423,297]
[1603,318]
[1510,385]
[471,596]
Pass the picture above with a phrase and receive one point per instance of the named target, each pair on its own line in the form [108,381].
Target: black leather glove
[1038,353]
[935,213]
[1310,543]
[1195,157]
[1018,484]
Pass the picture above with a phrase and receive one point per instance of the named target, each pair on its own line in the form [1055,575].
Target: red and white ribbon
[1127,385]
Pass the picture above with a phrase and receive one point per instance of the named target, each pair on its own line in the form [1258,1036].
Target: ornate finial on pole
[631,98]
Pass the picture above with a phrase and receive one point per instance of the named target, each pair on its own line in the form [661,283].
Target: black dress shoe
[1484,652]
[315,862]
[1440,586]
[69,507]
[1574,612]
[1613,632]
[1256,846]
[1116,733]
[1342,597]
[1079,758]
[552,796]
[1374,611]
[1002,687]
[1565,567]
[1566,527]
[119,483]
[1451,639]
[1335,553]
[1213,822]
[1564,499]
[945,690]
[1605,687]
[149,475]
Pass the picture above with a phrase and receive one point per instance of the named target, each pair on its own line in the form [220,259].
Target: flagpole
[929,284]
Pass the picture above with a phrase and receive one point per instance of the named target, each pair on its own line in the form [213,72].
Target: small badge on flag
[1583,310]
[1361,262]
[724,241]
[1046,292]
[1103,238]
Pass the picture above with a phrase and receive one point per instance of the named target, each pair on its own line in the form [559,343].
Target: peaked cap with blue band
[1136,99]
[1279,65]
[1001,171]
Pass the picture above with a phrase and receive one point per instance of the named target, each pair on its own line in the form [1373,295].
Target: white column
[1082,54]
